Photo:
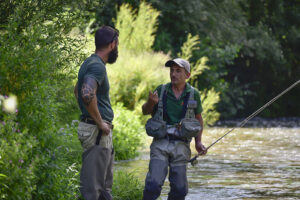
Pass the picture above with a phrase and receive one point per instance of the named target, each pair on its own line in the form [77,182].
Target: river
[249,163]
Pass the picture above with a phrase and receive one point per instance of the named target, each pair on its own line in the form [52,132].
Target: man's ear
[113,44]
[188,74]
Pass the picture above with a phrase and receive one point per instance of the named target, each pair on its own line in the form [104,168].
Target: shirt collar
[95,55]
[187,89]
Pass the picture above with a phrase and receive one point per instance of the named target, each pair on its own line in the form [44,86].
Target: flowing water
[249,163]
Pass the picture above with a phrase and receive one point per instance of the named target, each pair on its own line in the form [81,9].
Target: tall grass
[137,28]
[127,186]
[134,75]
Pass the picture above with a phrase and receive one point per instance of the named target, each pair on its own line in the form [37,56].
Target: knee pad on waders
[178,182]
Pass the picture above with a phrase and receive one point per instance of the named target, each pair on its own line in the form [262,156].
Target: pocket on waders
[190,127]
[156,128]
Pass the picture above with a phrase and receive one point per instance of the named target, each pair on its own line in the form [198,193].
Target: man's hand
[104,127]
[147,108]
[153,98]
[200,148]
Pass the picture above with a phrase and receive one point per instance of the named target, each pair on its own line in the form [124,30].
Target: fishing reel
[194,161]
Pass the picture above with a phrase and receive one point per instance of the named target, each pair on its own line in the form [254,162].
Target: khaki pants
[96,175]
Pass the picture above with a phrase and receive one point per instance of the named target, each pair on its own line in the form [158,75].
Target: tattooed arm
[88,93]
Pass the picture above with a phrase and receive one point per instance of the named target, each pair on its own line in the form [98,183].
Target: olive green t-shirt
[175,106]
[94,67]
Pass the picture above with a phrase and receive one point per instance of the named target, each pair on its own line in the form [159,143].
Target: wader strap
[185,103]
[190,110]
[192,93]
[98,137]
[159,113]
[166,116]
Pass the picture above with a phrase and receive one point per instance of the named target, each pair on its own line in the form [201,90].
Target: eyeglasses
[115,36]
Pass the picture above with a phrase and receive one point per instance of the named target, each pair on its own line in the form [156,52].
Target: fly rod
[193,161]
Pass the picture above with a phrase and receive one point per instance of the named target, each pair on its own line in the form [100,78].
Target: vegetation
[127,186]
[252,48]
[230,44]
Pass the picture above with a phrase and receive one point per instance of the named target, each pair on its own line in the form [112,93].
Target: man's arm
[147,108]
[198,144]
[88,93]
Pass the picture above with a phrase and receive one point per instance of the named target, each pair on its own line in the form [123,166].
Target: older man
[171,150]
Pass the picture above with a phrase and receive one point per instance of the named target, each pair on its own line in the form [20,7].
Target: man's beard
[112,56]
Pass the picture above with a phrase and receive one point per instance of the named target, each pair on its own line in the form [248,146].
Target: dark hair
[105,35]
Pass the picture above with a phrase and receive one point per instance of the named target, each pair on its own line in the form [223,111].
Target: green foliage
[190,45]
[37,58]
[134,75]
[137,30]
[128,132]
[59,167]
[210,99]
[33,60]
[127,186]
[17,161]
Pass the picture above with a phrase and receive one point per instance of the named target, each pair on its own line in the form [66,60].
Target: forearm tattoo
[88,90]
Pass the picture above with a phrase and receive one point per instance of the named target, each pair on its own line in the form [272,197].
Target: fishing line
[193,161]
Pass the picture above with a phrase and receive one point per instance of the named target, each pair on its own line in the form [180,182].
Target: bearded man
[95,127]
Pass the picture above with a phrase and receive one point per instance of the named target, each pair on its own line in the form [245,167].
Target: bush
[37,57]
[138,69]
[127,186]
[60,165]
[128,132]
[133,76]
[137,30]
[17,161]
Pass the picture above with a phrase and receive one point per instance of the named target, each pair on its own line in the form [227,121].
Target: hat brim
[170,63]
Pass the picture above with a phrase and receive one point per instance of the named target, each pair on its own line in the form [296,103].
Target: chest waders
[187,128]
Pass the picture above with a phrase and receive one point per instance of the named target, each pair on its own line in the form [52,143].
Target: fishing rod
[193,161]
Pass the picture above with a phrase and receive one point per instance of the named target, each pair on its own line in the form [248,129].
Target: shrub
[59,166]
[138,70]
[17,161]
[133,76]
[137,30]
[127,186]
[37,56]
[127,135]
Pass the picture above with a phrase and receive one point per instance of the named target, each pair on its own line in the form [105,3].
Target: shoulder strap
[190,109]
[192,93]
[159,112]
[185,105]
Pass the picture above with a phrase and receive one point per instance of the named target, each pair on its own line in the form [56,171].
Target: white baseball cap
[180,62]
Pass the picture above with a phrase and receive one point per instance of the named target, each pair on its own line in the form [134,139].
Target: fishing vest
[187,128]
